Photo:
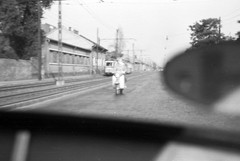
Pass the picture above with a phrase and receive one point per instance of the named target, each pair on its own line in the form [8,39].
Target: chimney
[75,31]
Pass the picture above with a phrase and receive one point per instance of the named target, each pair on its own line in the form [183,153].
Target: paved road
[145,99]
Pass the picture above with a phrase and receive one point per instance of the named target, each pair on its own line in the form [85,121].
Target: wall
[101,61]
[75,61]
[11,69]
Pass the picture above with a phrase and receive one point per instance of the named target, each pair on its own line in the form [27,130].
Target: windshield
[73,40]
[109,64]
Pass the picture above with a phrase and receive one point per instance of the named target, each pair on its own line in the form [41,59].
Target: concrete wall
[68,70]
[11,69]
[98,65]
[75,61]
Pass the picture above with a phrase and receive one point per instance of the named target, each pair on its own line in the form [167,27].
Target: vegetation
[119,46]
[19,27]
[207,32]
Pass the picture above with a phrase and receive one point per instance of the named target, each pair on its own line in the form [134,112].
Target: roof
[70,38]
[95,44]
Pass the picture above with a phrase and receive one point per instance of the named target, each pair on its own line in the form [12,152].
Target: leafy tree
[19,27]
[238,34]
[120,40]
[205,32]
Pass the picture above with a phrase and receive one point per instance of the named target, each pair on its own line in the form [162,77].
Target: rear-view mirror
[207,75]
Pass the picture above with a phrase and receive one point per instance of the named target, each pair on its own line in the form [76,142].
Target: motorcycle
[119,83]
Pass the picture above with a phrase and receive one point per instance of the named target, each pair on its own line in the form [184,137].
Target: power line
[232,17]
[226,23]
[64,23]
[74,24]
[154,3]
[84,5]
[231,12]
[92,14]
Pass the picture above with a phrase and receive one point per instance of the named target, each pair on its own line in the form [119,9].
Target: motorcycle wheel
[121,91]
[117,91]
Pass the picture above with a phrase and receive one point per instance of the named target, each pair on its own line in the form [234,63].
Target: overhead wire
[72,23]
[232,17]
[154,3]
[67,24]
[84,5]
[231,12]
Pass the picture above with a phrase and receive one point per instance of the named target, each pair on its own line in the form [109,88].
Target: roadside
[46,80]
[35,81]
[21,93]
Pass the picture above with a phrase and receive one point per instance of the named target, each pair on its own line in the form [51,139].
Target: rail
[34,95]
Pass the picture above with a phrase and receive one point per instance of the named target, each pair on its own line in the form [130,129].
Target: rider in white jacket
[119,67]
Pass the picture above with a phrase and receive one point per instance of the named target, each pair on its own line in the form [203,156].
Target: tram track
[39,94]
[7,100]
[40,84]
[37,88]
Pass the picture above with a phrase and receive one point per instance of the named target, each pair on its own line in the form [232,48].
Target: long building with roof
[79,54]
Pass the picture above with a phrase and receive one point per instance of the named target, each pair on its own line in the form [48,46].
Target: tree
[238,33]
[19,27]
[205,32]
[120,39]
[119,44]
[238,36]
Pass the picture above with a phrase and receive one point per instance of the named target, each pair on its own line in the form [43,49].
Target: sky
[158,29]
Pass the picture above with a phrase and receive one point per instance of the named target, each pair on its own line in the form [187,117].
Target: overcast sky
[147,21]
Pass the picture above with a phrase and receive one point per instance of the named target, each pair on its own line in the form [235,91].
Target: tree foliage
[238,33]
[19,27]
[121,43]
[205,32]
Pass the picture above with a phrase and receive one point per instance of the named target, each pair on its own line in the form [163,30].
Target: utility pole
[143,61]
[39,43]
[60,76]
[116,39]
[97,52]
[164,56]
[219,31]
[133,57]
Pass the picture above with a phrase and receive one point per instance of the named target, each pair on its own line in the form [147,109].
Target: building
[79,55]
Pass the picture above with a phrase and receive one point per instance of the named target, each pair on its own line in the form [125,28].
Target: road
[145,99]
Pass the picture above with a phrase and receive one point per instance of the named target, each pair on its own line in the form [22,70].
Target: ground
[145,99]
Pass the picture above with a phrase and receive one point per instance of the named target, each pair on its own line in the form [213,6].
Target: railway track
[26,95]
[37,85]
[32,94]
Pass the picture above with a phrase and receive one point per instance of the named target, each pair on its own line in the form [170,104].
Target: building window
[74,58]
[63,58]
[68,58]
[78,59]
[81,59]
[55,57]
[88,61]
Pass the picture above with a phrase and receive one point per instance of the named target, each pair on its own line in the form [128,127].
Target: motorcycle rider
[119,67]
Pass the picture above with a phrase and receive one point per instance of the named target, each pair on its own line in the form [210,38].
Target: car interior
[29,136]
